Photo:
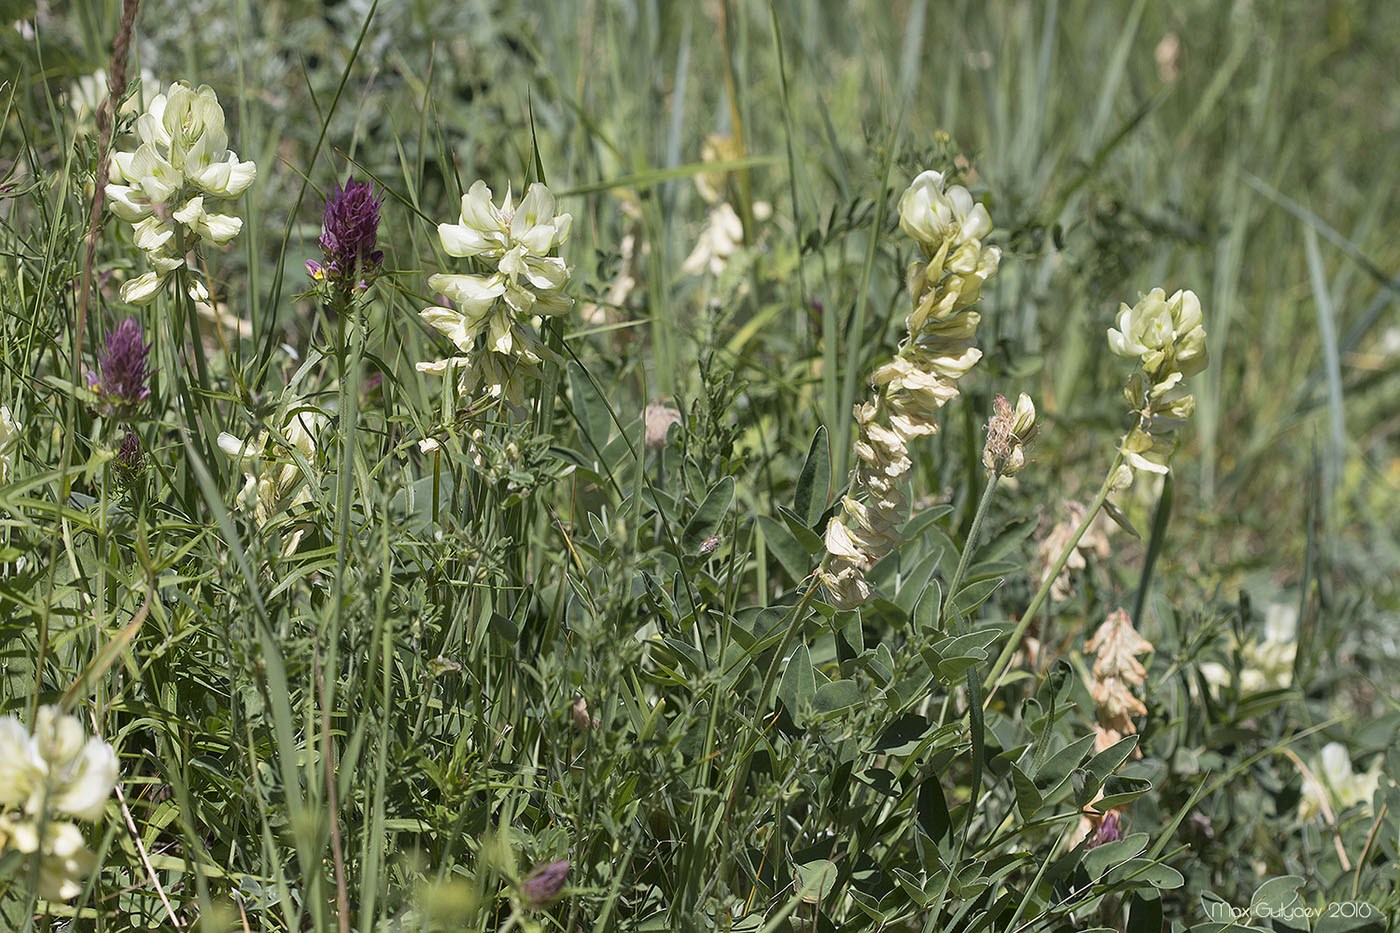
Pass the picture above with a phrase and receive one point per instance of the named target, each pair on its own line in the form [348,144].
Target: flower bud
[545,883]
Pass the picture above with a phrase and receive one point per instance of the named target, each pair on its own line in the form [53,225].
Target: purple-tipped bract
[349,230]
[123,382]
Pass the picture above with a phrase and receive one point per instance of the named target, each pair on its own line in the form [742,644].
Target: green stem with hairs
[1014,641]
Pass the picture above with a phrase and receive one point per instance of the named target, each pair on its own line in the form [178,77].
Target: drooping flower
[349,230]
[9,440]
[1094,541]
[491,318]
[940,348]
[274,480]
[56,771]
[161,188]
[121,383]
[1116,672]
[544,884]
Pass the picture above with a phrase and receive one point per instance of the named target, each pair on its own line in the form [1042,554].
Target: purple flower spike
[122,385]
[544,883]
[348,233]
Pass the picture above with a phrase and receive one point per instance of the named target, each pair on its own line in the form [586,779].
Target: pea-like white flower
[491,317]
[58,764]
[1334,782]
[58,770]
[165,188]
[274,482]
[9,440]
[721,238]
[1163,332]
[936,217]
[65,861]
[491,231]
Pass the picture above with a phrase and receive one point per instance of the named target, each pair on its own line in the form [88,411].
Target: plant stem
[994,675]
[970,544]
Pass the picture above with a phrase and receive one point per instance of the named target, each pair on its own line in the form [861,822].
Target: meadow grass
[449,643]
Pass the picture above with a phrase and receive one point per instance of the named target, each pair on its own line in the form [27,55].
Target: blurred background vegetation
[1246,150]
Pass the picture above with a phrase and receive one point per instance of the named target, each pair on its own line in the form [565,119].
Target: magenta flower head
[349,229]
[543,885]
[122,384]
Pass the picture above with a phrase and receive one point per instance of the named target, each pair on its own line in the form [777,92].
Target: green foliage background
[442,617]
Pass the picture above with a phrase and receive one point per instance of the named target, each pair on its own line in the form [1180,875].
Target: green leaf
[912,587]
[1275,896]
[793,556]
[933,809]
[953,656]
[590,410]
[1141,871]
[975,594]
[1028,799]
[814,482]
[902,736]
[799,684]
[1144,912]
[1120,518]
[838,695]
[706,520]
[1110,759]
[1101,859]
[927,609]
[1058,766]
[816,879]
[805,536]
[1120,790]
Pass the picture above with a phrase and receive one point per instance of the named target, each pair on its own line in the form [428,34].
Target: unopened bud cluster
[939,348]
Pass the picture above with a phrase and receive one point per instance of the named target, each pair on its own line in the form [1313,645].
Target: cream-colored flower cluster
[1333,786]
[57,771]
[940,347]
[166,189]
[9,440]
[1167,335]
[274,480]
[526,283]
